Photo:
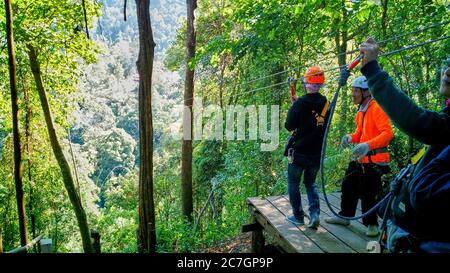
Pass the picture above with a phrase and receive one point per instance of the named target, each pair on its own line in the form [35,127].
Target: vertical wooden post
[1,241]
[258,241]
[151,230]
[95,235]
[46,245]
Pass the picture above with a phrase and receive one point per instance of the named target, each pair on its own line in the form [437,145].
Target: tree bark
[85,18]
[15,119]
[146,231]
[223,65]
[186,150]
[384,18]
[408,92]
[58,152]
[26,95]
[1,241]
[341,40]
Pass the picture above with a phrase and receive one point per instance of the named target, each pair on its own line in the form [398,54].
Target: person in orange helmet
[306,118]
[370,158]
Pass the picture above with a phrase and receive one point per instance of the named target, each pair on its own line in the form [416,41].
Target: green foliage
[49,27]
[117,223]
[114,154]
[175,55]
[92,88]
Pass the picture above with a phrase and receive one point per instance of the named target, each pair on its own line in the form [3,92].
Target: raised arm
[426,126]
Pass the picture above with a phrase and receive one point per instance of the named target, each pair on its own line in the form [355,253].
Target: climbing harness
[378,151]
[404,176]
[320,118]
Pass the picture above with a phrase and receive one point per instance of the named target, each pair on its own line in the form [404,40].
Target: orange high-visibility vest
[374,128]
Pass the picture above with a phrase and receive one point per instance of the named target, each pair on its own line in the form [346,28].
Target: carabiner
[290,155]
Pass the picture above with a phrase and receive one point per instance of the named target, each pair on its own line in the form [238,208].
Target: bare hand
[370,49]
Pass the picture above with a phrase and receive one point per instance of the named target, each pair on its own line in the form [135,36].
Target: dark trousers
[361,181]
[294,176]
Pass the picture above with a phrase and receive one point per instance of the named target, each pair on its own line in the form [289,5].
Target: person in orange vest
[370,158]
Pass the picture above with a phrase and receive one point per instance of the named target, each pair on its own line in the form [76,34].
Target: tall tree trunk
[384,19]
[26,93]
[146,232]
[408,81]
[1,241]
[58,152]
[300,30]
[186,157]
[341,39]
[15,119]
[223,65]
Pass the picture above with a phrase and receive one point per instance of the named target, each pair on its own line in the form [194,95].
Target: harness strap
[377,151]
[320,119]
[416,158]
[325,109]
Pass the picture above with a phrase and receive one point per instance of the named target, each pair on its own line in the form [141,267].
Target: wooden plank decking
[270,213]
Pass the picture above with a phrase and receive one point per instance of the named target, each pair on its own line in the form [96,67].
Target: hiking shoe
[314,221]
[337,220]
[296,221]
[372,231]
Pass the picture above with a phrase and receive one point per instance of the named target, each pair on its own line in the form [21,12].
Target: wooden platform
[270,213]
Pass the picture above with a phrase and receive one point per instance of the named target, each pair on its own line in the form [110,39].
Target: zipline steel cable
[348,52]
[339,67]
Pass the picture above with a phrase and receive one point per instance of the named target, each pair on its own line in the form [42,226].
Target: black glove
[345,73]
[395,186]
[402,176]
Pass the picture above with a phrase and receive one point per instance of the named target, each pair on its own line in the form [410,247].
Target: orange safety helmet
[314,75]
